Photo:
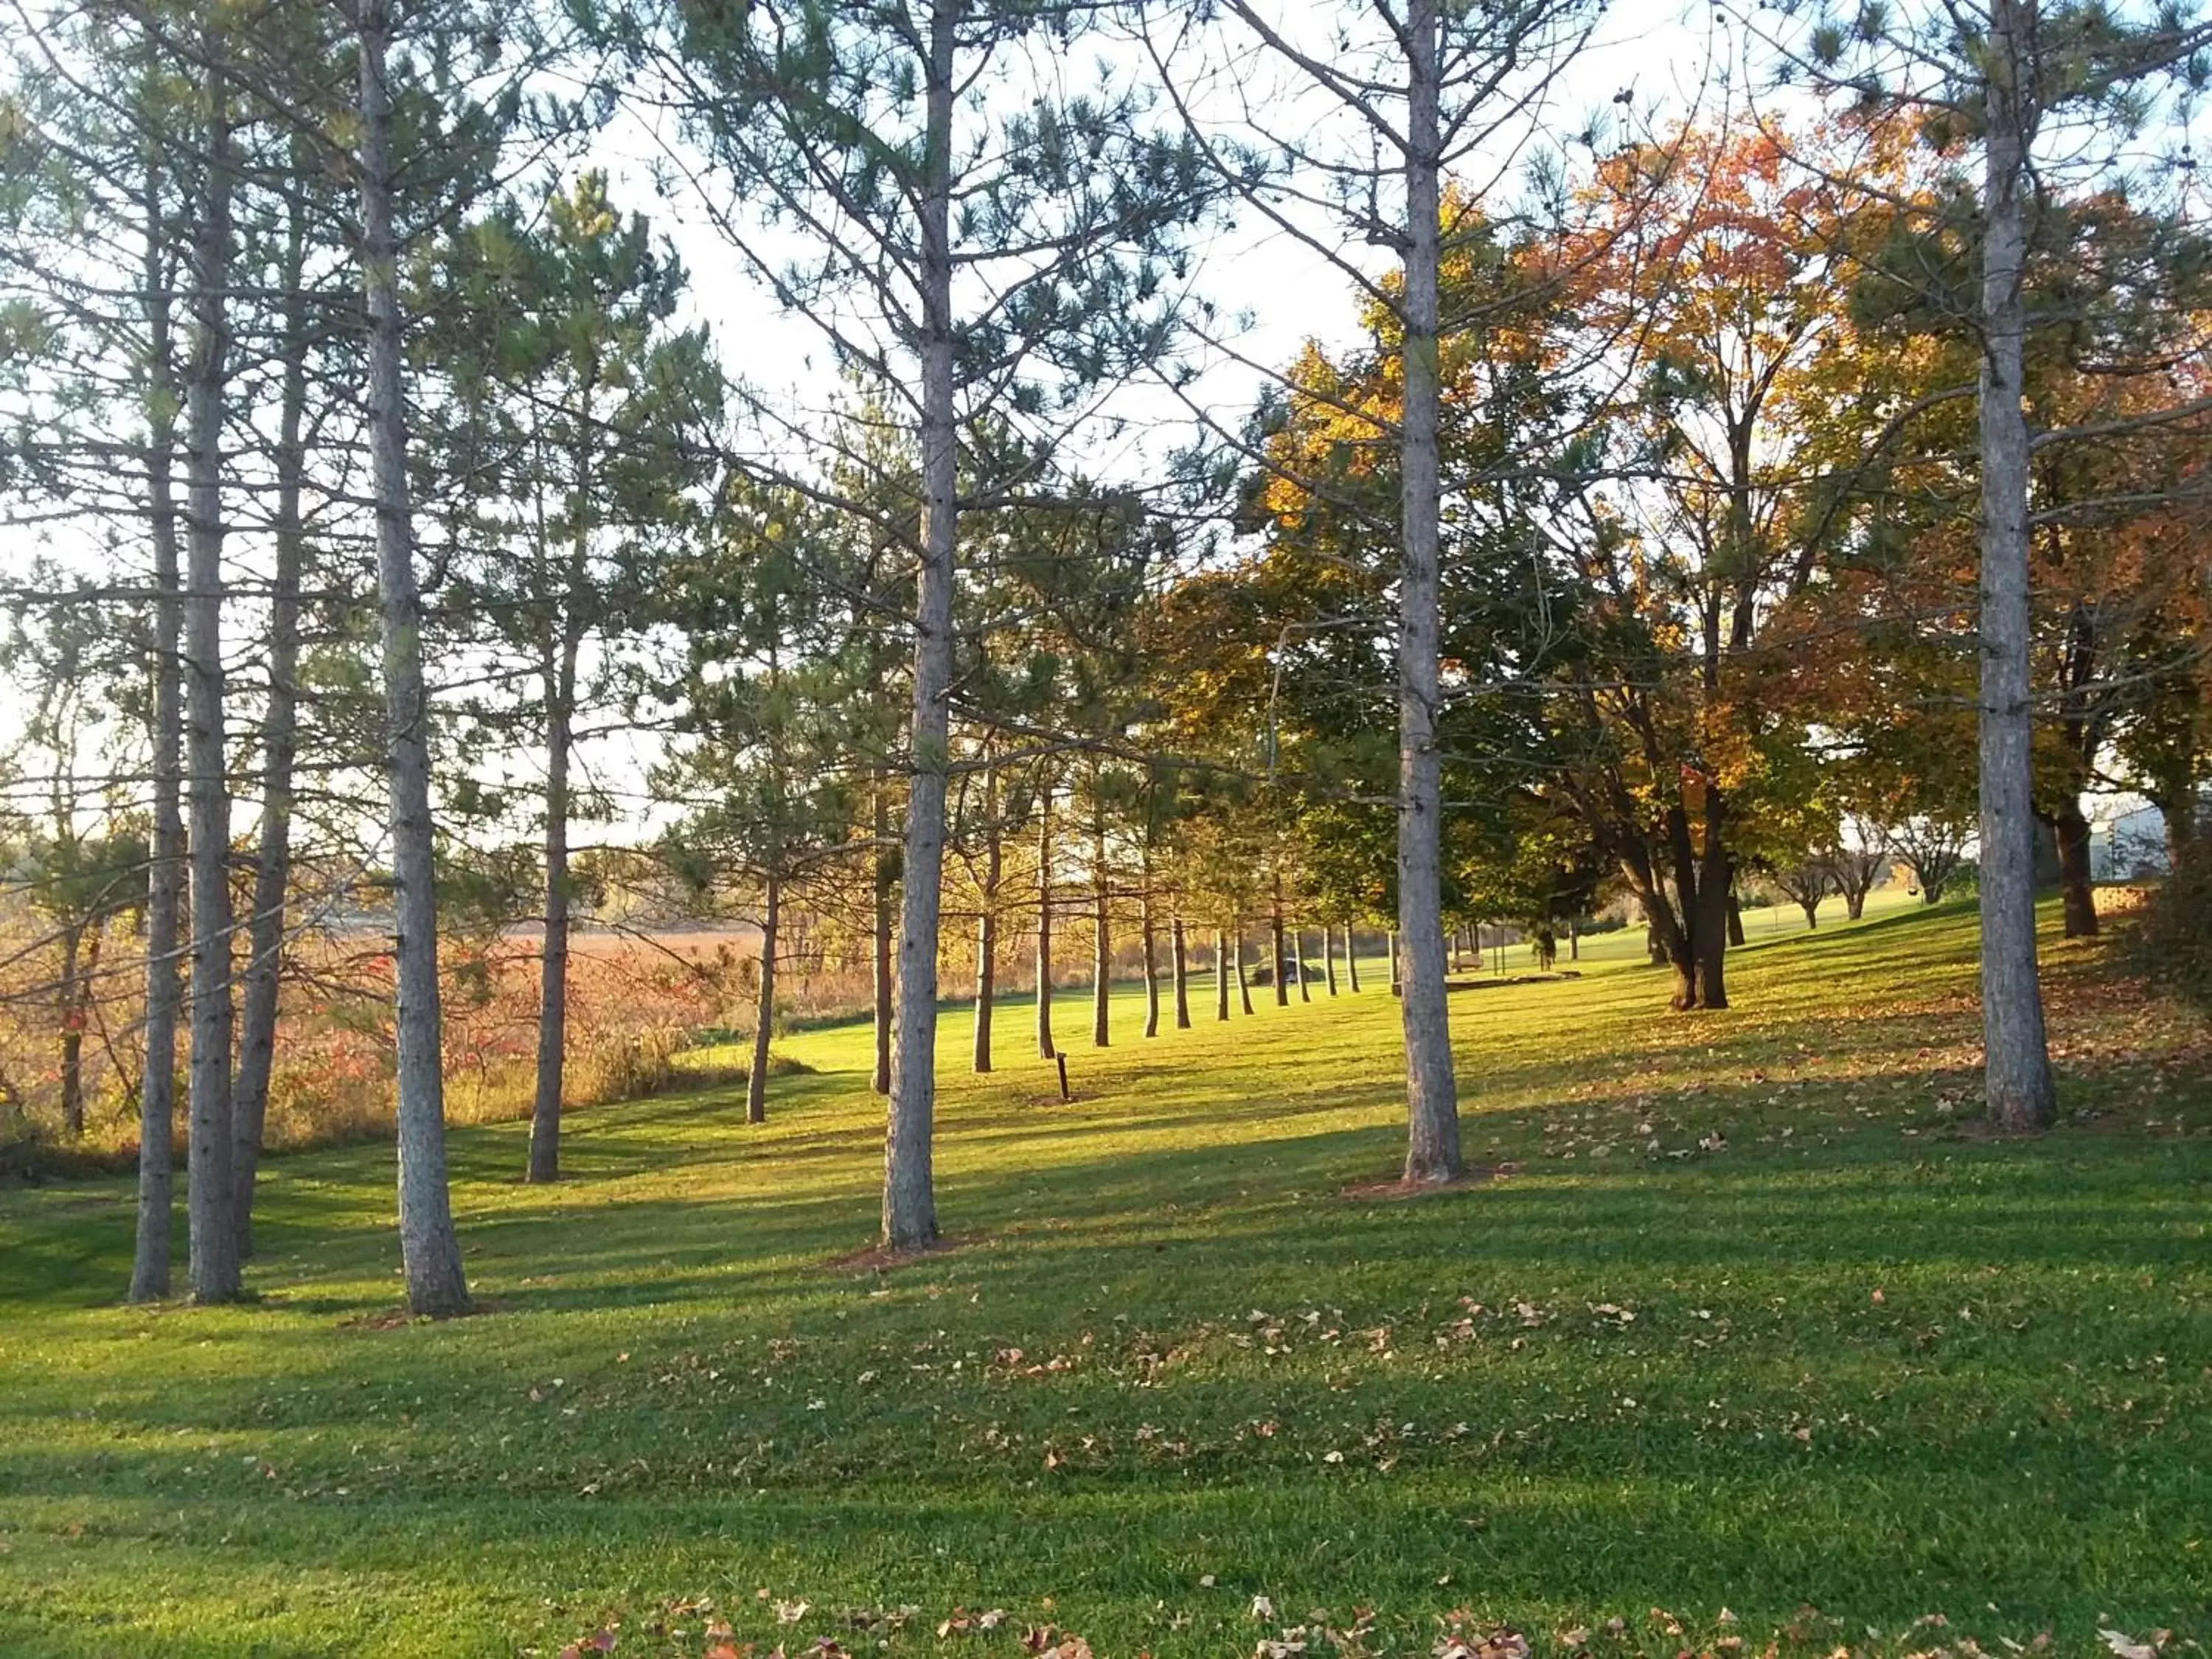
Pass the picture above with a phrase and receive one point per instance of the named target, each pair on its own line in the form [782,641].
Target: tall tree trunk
[1151,937]
[165,876]
[560,678]
[430,1251]
[1711,935]
[765,1005]
[2019,1092]
[909,1193]
[1102,956]
[1329,956]
[73,1009]
[986,923]
[1432,1151]
[1351,957]
[1178,952]
[1397,965]
[2076,885]
[1574,939]
[1220,975]
[272,863]
[1298,956]
[215,1267]
[1735,918]
[1279,970]
[1244,985]
[1045,1049]
[882,978]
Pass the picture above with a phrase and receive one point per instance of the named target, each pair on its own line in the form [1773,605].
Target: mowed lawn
[1748,1345]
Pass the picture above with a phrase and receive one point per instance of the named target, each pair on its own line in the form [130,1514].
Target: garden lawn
[1749,1341]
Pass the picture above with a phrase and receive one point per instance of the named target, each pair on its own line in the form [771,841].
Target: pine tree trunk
[880,938]
[1279,971]
[560,678]
[2077,887]
[1329,956]
[986,924]
[430,1251]
[165,876]
[72,1001]
[213,1229]
[764,1005]
[272,867]
[1352,958]
[2019,1087]
[1243,986]
[1178,952]
[1220,975]
[909,1192]
[1151,937]
[1102,956]
[1045,1049]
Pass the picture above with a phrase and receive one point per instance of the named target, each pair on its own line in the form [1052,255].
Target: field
[1747,1343]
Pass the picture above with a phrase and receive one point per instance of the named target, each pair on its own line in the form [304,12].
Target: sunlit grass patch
[1752,1347]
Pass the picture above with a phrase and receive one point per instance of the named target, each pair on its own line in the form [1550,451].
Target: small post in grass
[1062,1061]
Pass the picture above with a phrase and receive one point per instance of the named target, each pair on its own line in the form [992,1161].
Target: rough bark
[1433,1140]
[1179,956]
[764,1005]
[430,1251]
[214,1229]
[164,876]
[2019,1092]
[909,1196]
[272,863]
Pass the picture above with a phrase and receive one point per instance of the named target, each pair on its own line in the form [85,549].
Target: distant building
[2130,844]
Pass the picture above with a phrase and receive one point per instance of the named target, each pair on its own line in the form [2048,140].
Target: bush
[2172,940]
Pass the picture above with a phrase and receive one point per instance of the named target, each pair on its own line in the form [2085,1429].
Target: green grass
[1753,1325]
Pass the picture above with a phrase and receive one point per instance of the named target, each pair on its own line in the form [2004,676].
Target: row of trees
[1702,497]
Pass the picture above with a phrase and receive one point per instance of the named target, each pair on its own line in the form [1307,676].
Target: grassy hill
[1747,1342]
